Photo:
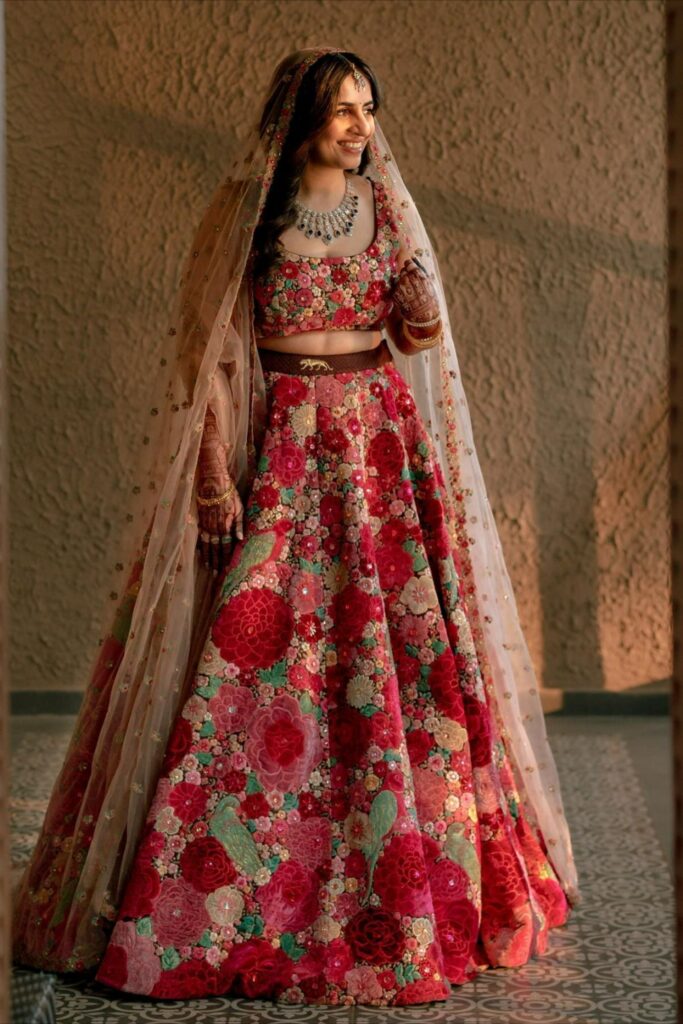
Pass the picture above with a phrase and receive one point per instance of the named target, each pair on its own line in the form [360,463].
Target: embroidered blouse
[327,293]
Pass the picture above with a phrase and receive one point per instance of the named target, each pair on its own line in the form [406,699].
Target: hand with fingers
[417,304]
[216,521]
[219,507]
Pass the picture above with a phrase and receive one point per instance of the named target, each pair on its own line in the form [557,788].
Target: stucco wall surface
[531,135]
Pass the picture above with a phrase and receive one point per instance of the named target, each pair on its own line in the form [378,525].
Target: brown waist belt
[301,363]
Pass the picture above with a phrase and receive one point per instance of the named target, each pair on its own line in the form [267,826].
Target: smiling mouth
[354,147]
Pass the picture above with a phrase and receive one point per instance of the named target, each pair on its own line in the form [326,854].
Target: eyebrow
[346,103]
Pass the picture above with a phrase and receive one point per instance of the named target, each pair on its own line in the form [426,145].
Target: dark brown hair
[313,110]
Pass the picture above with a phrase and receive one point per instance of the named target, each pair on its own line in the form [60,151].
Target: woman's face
[352,122]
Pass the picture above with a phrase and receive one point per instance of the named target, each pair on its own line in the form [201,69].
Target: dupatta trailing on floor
[162,595]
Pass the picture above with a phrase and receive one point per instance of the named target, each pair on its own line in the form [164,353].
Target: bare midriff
[323,343]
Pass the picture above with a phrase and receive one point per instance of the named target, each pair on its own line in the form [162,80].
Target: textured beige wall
[532,137]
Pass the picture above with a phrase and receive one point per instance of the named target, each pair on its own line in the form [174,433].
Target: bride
[311,762]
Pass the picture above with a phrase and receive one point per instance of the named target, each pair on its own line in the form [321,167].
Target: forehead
[349,93]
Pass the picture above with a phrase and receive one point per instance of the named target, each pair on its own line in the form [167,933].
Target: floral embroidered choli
[327,293]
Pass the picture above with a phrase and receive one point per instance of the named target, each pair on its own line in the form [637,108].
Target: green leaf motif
[204,757]
[211,688]
[253,785]
[205,940]
[438,646]
[208,729]
[411,973]
[170,958]
[383,813]
[459,849]
[369,710]
[305,703]
[391,755]
[307,566]
[235,837]
[290,801]
[287,493]
[276,675]
[144,926]
[288,944]
[257,549]
[251,924]
[419,563]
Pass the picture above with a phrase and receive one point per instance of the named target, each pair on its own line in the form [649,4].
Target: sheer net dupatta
[160,594]
[435,381]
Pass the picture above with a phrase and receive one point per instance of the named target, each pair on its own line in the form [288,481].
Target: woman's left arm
[415,304]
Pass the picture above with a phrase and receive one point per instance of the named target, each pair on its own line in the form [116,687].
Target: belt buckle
[312,363]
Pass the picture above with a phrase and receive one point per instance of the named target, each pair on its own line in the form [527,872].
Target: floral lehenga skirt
[336,820]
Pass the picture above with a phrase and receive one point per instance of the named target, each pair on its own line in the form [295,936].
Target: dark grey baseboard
[651,699]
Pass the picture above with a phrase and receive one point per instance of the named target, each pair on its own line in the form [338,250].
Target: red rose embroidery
[385,452]
[479,730]
[253,629]
[502,881]
[445,686]
[394,565]
[331,510]
[206,866]
[289,390]
[457,936]
[179,744]
[189,980]
[188,801]
[266,496]
[343,317]
[283,744]
[351,610]
[287,462]
[401,876]
[141,891]
[289,901]
[179,916]
[419,743]
[374,937]
[256,970]
[349,735]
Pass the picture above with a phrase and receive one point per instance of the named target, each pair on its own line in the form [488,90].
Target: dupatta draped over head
[163,595]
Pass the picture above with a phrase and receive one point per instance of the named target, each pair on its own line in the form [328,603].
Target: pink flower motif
[329,391]
[287,463]
[289,901]
[179,916]
[304,296]
[363,984]
[160,798]
[431,791]
[232,707]
[413,629]
[306,592]
[310,841]
[188,801]
[283,744]
[143,965]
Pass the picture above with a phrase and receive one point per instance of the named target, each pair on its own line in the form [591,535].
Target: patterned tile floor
[613,962]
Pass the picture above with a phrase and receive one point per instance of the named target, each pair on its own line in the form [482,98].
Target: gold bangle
[218,500]
[423,343]
[425,323]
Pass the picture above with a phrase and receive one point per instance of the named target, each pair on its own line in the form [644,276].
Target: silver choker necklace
[329,224]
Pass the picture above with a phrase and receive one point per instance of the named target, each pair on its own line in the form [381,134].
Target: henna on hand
[415,296]
[216,521]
